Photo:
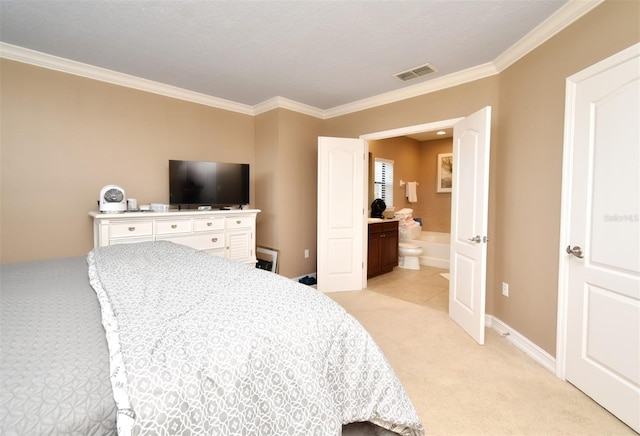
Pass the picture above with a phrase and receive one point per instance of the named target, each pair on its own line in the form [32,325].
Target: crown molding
[458,78]
[44,60]
[284,103]
[565,16]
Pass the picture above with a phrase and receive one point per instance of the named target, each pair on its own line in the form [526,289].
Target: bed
[158,338]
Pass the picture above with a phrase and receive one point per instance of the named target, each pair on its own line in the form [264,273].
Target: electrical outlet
[306,253]
[505,289]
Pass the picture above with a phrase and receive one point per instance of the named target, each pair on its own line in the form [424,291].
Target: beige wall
[299,187]
[435,207]
[267,128]
[63,137]
[286,188]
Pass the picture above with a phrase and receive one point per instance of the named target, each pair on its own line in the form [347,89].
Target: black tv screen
[208,183]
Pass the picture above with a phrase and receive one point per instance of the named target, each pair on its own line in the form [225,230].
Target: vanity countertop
[381,220]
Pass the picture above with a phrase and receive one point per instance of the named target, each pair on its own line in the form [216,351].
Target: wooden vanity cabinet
[382,248]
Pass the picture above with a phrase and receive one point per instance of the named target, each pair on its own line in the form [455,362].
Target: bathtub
[435,249]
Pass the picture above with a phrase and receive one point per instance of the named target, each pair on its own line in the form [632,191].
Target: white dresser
[226,233]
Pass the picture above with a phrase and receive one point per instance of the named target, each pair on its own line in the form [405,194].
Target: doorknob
[476,239]
[576,251]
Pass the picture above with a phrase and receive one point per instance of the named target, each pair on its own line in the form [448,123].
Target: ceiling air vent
[416,72]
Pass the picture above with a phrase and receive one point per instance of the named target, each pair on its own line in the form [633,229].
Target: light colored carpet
[457,386]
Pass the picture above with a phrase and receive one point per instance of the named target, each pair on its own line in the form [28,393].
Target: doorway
[469,221]
[341,177]
[414,158]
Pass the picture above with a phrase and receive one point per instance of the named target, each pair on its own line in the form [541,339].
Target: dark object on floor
[307,280]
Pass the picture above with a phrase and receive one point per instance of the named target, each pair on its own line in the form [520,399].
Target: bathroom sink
[375,220]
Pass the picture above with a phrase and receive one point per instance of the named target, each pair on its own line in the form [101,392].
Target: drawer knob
[214,239]
[238,222]
[209,224]
[131,229]
[173,226]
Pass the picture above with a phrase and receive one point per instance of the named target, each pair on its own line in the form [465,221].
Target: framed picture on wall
[445,172]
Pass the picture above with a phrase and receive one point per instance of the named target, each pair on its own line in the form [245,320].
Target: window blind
[383,181]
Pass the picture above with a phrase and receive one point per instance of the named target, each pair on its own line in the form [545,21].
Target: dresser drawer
[238,222]
[208,224]
[130,229]
[210,241]
[170,227]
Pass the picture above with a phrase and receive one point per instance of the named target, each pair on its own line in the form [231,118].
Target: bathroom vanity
[382,247]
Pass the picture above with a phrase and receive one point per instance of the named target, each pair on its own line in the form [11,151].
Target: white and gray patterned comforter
[204,345]
[54,363]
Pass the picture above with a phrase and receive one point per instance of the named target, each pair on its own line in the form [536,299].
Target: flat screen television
[215,184]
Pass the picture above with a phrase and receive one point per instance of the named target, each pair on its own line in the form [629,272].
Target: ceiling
[323,54]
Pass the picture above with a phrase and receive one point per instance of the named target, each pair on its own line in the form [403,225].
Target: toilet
[408,230]
[408,255]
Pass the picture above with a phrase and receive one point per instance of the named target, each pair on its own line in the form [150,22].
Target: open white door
[341,209]
[469,220]
[599,286]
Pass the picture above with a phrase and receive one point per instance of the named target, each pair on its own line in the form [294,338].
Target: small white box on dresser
[225,233]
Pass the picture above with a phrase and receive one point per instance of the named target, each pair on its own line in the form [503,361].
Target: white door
[600,259]
[469,219]
[341,213]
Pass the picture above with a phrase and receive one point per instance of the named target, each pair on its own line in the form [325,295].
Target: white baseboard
[522,343]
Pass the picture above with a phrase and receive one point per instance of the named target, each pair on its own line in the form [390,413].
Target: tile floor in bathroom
[425,287]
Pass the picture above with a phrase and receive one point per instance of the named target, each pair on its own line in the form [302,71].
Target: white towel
[412,194]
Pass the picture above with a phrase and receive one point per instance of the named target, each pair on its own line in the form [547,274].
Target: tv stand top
[172,213]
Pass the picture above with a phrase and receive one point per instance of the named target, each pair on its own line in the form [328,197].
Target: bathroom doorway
[403,145]
[469,224]
[470,183]
[416,158]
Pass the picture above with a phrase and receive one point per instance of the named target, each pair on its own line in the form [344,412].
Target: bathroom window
[383,181]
